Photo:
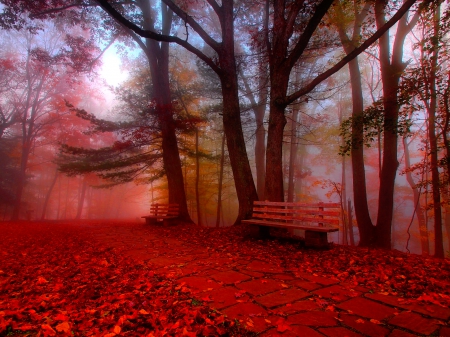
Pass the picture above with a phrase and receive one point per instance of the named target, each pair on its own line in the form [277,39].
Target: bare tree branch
[323,76]
[155,36]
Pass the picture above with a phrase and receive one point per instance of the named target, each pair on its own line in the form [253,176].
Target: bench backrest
[165,209]
[295,212]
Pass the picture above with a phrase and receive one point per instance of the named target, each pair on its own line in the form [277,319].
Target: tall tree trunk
[81,198]
[434,162]
[197,179]
[274,153]
[66,202]
[293,154]
[259,109]
[343,184]
[21,181]
[260,150]
[365,226]
[282,59]
[58,210]
[158,58]
[28,118]
[391,70]
[423,230]
[219,193]
[446,112]
[242,173]
[350,222]
[49,193]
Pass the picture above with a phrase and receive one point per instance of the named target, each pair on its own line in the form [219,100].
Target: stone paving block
[431,310]
[364,326]
[248,311]
[254,274]
[445,331]
[350,286]
[400,333]
[281,297]
[230,277]
[241,310]
[283,277]
[336,293]
[264,267]
[199,283]
[188,269]
[295,331]
[223,261]
[367,308]
[339,332]
[318,279]
[415,323]
[260,286]
[224,297]
[305,284]
[314,318]
[291,308]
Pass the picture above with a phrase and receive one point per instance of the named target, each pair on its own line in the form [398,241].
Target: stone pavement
[265,297]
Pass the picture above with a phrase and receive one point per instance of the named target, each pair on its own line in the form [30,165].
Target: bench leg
[316,239]
[150,221]
[264,232]
[168,222]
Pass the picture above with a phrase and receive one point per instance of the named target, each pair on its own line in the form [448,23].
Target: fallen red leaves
[54,282]
[414,277]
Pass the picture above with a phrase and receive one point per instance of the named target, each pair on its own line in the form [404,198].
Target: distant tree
[41,78]
[427,85]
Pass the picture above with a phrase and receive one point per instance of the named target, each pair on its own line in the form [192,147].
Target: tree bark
[292,154]
[282,58]
[259,109]
[343,184]
[49,193]
[81,198]
[28,119]
[365,226]
[350,222]
[197,179]
[432,137]
[391,70]
[158,58]
[423,230]
[219,192]
[245,186]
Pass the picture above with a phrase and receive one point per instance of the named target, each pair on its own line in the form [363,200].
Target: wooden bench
[289,215]
[162,213]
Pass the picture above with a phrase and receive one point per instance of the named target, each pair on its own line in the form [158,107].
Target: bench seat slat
[164,208]
[296,218]
[297,204]
[290,225]
[296,211]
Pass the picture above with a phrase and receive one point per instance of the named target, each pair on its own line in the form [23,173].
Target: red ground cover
[53,281]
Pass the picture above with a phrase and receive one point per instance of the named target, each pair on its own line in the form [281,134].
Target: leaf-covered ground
[57,280]
[392,272]
[53,281]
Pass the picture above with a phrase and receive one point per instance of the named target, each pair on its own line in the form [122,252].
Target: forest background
[226,103]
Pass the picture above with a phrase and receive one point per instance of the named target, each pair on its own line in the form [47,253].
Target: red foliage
[414,277]
[53,282]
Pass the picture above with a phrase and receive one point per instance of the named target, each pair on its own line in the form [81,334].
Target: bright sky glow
[111,70]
